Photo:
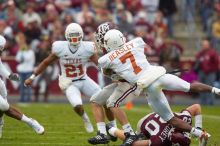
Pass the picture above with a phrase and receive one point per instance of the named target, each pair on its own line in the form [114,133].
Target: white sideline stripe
[46,132]
[53,144]
[135,109]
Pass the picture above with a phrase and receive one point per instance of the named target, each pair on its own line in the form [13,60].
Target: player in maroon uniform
[159,133]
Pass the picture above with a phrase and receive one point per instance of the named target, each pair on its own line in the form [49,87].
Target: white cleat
[204,139]
[88,126]
[37,127]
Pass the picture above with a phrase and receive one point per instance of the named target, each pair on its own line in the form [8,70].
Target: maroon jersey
[159,132]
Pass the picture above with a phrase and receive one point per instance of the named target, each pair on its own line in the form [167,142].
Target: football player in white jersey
[73,54]
[109,95]
[5,108]
[129,61]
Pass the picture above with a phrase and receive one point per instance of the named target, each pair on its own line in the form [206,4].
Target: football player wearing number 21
[73,54]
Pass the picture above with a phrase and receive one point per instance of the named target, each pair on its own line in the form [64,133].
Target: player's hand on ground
[14,77]
[28,82]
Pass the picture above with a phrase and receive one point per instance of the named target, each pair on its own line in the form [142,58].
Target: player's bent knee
[4,106]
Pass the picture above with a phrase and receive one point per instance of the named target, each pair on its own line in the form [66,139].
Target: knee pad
[4,106]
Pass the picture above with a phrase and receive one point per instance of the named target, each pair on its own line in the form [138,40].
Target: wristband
[32,77]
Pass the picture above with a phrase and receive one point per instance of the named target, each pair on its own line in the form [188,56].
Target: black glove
[14,77]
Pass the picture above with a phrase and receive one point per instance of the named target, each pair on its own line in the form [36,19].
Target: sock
[196,132]
[85,117]
[112,131]
[127,129]
[198,121]
[215,90]
[25,119]
[113,123]
[101,127]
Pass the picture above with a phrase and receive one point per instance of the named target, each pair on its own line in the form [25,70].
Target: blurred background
[182,34]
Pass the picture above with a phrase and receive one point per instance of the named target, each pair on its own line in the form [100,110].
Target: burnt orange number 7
[130,56]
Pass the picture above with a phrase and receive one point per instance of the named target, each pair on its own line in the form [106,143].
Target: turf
[65,128]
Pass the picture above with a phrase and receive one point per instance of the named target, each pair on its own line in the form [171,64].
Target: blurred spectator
[207,66]
[82,15]
[31,16]
[206,11]
[89,27]
[43,80]
[169,54]
[5,30]
[160,29]
[151,7]
[26,60]
[50,16]
[216,34]
[168,8]
[189,75]
[13,16]
[32,31]
[188,10]
[133,6]
[123,19]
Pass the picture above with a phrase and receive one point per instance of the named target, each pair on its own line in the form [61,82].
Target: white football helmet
[114,40]
[74,34]
[2,43]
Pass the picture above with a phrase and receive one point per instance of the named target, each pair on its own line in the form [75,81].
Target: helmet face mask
[101,31]
[74,34]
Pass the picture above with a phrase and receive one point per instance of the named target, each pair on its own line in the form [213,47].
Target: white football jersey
[129,62]
[72,63]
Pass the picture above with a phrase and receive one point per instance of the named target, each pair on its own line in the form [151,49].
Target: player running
[5,108]
[109,95]
[157,132]
[129,61]
[73,54]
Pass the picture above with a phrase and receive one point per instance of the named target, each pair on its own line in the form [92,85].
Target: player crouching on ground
[154,131]
[5,108]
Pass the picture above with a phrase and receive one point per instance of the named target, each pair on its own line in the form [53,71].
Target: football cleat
[204,139]
[100,138]
[88,126]
[129,139]
[36,127]
[112,138]
[1,126]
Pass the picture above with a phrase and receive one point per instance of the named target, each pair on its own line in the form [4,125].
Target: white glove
[14,77]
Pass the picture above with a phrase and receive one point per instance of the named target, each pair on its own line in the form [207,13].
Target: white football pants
[88,87]
[4,106]
[156,98]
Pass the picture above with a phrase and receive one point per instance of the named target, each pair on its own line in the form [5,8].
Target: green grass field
[65,128]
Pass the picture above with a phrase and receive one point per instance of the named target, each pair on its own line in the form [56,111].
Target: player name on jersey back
[120,51]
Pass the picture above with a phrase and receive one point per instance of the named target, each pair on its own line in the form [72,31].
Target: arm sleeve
[3,71]
[56,48]
[103,62]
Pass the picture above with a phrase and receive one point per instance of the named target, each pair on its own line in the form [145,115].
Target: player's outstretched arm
[94,59]
[40,68]
[195,111]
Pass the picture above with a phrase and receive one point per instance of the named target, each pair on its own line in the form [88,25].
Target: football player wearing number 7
[73,54]
[129,61]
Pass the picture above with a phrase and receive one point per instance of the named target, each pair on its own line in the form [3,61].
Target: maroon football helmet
[180,139]
[101,31]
